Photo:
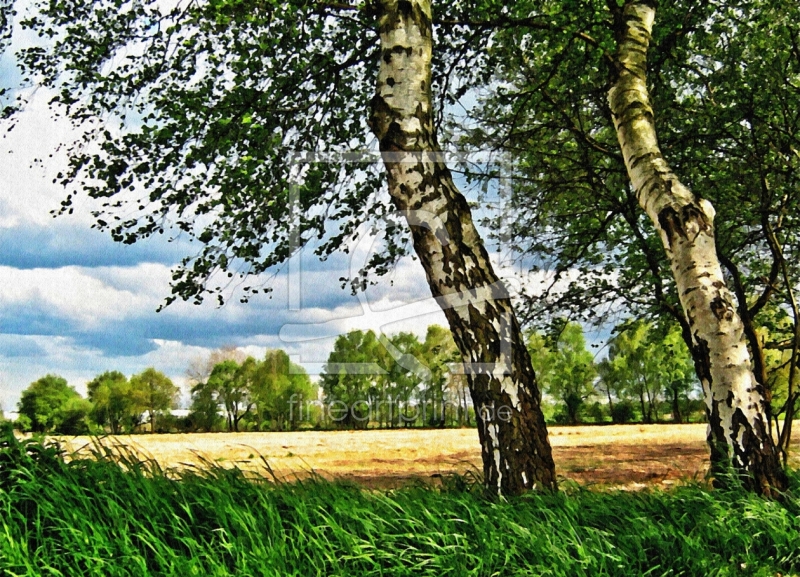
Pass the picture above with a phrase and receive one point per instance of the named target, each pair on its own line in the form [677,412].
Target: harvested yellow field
[613,455]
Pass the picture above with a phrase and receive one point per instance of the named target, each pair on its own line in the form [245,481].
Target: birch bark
[738,431]
[515,448]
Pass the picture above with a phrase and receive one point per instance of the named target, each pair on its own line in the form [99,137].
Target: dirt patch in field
[629,456]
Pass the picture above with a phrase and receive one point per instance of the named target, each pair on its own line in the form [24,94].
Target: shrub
[622,412]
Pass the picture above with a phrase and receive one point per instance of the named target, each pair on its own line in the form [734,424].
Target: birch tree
[516,453]
[738,427]
[722,91]
[197,110]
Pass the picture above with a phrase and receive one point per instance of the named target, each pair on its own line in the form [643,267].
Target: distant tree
[677,370]
[405,373]
[612,388]
[458,396]
[564,367]
[232,392]
[112,399]
[154,393]
[622,412]
[200,368]
[51,405]
[271,394]
[75,417]
[205,404]
[272,377]
[440,355]
[597,412]
[649,364]
[348,376]
[283,391]
[294,402]
[630,371]
[203,411]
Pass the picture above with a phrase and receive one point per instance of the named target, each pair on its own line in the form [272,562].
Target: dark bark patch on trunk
[405,8]
[722,309]
[690,290]
[743,454]
[485,334]
[674,223]
[702,361]
[753,463]
[692,213]
[394,137]
[637,105]
[670,223]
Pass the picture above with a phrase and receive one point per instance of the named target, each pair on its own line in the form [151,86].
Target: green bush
[622,412]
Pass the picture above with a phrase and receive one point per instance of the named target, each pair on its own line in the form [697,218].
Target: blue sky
[74,303]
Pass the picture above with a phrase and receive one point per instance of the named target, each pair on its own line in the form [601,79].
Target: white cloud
[26,184]
[76,296]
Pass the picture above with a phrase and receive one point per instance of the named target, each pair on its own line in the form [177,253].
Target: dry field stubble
[625,456]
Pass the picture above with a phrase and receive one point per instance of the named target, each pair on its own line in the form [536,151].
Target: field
[622,456]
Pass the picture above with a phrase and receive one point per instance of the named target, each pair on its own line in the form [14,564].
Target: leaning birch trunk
[738,432]
[515,448]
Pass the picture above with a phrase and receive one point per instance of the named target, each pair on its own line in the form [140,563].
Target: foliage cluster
[50,405]
[101,516]
[259,395]
[396,381]
[648,372]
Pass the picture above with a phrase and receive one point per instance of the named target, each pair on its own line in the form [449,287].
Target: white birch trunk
[735,402]
[515,449]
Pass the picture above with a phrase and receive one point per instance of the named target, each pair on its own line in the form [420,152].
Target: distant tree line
[646,375]
[234,392]
[229,391]
[115,404]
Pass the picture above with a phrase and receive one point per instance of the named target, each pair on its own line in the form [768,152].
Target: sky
[76,304]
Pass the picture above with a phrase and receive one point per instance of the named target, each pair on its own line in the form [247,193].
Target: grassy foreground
[99,517]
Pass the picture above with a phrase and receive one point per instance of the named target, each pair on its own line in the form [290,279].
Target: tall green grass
[106,518]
